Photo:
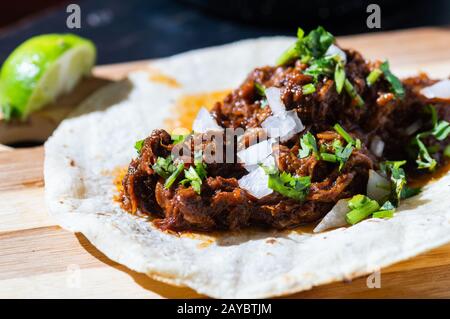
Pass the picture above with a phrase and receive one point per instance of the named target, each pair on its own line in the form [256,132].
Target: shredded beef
[222,204]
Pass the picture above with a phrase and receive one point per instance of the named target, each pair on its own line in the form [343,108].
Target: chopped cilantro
[295,187]
[195,174]
[408,192]
[314,45]
[396,84]
[138,145]
[308,89]
[398,178]
[308,144]
[164,166]
[178,138]
[440,130]
[347,137]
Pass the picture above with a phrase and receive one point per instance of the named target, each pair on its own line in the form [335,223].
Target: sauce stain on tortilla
[165,79]
[187,106]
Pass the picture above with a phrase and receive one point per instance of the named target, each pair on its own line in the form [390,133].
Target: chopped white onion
[378,187]
[204,122]
[256,153]
[377,146]
[273,96]
[335,217]
[283,126]
[268,161]
[439,90]
[256,183]
[333,50]
[414,127]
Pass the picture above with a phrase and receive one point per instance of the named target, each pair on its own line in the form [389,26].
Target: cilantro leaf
[164,166]
[308,89]
[138,146]
[408,192]
[398,178]
[308,144]
[396,84]
[314,45]
[260,89]
[295,187]
[178,138]
[195,174]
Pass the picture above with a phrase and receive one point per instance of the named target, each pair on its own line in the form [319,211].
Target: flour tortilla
[86,148]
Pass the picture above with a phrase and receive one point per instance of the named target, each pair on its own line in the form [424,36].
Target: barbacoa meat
[223,205]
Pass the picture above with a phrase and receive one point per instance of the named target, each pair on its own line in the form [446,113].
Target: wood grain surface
[38,259]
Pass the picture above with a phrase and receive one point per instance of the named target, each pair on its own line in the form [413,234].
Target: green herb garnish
[440,130]
[386,211]
[361,207]
[178,138]
[195,174]
[295,187]
[347,137]
[308,144]
[173,177]
[351,91]
[396,84]
[314,45]
[164,166]
[308,89]
[339,77]
[408,192]
[260,89]
[373,76]
[398,178]
[138,146]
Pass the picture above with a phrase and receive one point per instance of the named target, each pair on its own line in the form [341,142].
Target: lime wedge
[41,69]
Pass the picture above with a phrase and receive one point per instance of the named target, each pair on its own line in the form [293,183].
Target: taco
[322,138]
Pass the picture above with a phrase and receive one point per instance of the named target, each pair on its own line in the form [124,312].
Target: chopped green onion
[329,157]
[351,91]
[363,211]
[373,76]
[308,89]
[396,84]
[260,89]
[358,144]
[138,145]
[288,55]
[339,77]
[172,178]
[386,211]
[358,201]
[347,137]
[384,214]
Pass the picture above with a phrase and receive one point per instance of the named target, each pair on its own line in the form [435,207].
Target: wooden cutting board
[39,259]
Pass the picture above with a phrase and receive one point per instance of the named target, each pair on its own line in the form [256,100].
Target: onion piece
[378,187]
[283,126]
[377,146]
[256,153]
[204,122]
[256,183]
[273,96]
[440,90]
[335,217]
[334,49]
[269,161]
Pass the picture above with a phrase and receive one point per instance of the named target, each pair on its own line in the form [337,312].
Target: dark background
[128,30]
